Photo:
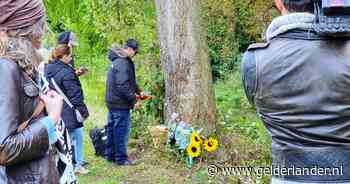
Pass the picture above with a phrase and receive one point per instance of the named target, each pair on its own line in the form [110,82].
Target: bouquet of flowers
[188,140]
[143,97]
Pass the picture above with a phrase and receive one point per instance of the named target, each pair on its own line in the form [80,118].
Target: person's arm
[33,141]
[249,76]
[74,93]
[121,71]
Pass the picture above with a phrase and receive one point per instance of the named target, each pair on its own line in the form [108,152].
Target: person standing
[25,152]
[298,81]
[64,75]
[69,38]
[121,90]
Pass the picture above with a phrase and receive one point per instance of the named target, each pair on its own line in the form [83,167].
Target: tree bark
[184,55]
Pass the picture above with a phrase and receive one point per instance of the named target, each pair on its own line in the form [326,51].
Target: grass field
[244,143]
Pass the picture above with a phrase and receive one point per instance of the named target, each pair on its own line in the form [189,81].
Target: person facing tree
[121,90]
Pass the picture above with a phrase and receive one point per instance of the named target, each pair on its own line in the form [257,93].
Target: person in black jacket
[26,155]
[67,80]
[121,93]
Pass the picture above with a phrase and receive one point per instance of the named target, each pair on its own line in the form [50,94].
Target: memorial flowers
[189,141]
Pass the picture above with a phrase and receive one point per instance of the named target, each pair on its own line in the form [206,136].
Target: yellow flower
[211,145]
[194,150]
[196,138]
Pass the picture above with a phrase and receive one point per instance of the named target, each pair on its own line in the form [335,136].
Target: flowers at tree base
[195,138]
[182,133]
[193,150]
[211,145]
[184,138]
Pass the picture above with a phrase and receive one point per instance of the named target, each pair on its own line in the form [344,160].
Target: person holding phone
[60,70]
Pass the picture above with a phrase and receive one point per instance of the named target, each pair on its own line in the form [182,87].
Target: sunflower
[211,145]
[194,150]
[195,138]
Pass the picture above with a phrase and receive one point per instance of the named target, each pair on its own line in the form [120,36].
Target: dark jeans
[118,130]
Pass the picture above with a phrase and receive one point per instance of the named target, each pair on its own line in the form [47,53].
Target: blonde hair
[17,46]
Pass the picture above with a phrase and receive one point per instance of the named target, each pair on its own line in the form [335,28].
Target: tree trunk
[184,54]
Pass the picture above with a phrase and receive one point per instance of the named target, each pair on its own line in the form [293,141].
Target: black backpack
[99,140]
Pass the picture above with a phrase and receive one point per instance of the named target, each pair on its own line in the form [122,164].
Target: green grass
[244,142]
[151,168]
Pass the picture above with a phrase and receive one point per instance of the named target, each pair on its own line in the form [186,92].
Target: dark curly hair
[299,5]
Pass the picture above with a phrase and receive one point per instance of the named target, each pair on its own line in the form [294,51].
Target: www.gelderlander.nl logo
[274,171]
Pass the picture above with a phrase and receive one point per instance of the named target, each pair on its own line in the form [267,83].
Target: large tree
[184,56]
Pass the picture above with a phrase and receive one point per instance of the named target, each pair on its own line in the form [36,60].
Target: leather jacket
[300,86]
[24,157]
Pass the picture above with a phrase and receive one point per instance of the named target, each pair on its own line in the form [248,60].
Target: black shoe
[125,163]
[84,163]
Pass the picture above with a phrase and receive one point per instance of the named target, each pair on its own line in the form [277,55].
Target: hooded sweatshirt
[121,85]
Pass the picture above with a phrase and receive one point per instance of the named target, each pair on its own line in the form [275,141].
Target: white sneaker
[81,170]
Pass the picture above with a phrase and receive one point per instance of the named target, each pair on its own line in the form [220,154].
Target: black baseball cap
[132,43]
[67,37]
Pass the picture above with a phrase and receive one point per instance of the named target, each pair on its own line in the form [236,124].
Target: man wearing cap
[299,83]
[121,93]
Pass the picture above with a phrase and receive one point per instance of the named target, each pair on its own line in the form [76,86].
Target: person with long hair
[64,75]
[26,129]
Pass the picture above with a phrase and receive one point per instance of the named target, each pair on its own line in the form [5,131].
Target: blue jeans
[77,136]
[118,130]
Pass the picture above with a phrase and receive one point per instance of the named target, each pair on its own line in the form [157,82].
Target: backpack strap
[37,111]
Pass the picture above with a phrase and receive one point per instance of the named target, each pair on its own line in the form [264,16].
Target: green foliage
[231,26]
[236,113]
[243,131]
[98,25]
